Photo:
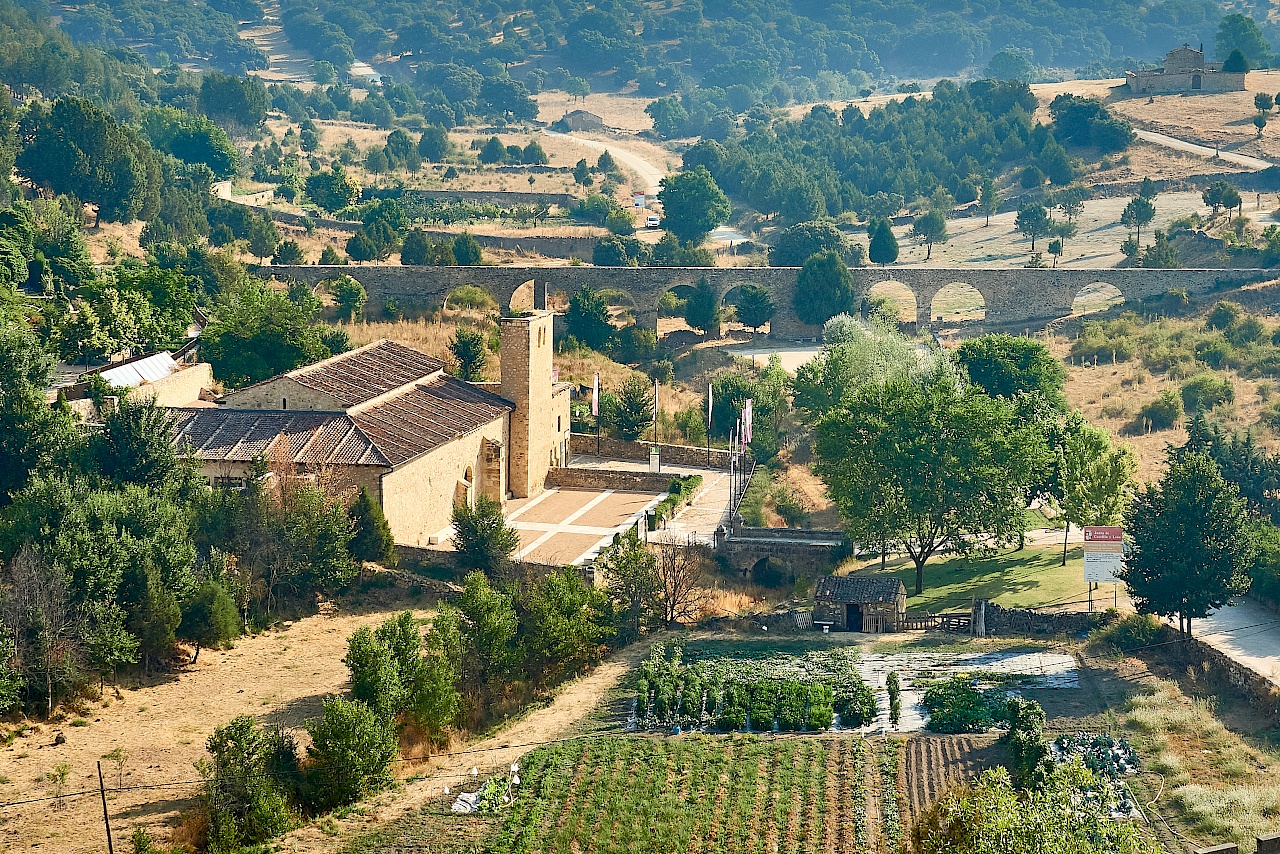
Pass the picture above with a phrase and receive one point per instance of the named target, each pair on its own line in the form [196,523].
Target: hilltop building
[390,419]
[582,120]
[1185,72]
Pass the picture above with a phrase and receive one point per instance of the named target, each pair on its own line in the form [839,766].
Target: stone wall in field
[1013,297]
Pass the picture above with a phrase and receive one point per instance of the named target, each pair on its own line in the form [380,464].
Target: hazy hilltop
[717,42]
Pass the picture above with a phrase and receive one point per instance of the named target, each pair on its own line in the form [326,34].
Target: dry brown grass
[618,111]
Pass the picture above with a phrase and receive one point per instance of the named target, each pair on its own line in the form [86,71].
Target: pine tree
[372,540]
[884,246]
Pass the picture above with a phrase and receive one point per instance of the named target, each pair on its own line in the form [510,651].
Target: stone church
[1185,72]
[389,418]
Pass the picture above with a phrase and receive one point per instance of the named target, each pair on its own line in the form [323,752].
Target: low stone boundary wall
[623,481]
[1261,692]
[619,449]
[1026,621]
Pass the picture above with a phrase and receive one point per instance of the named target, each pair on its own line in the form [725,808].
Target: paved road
[1245,632]
[1160,139]
[650,174]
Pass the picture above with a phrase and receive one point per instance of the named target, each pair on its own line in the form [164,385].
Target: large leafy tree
[1008,366]
[257,332]
[481,536]
[754,306]
[692,205]
[930,228]
[929,464]
[588,318]
[1097,479]
[702,309]
[33,435]
[190,138]
[1242,33]
[1192,543]
[824,288]
[75,148]
[797,244]
[1033,222]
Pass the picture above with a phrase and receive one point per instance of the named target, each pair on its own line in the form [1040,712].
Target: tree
[630,412]
[883,248]
[1012,64]
[824,289]
[466,251]
[879,450]
[1192,543]
[289,252]
[754,306]
[77,149]
[263,237]
[210,618]
[1220,194]
[1055,249]
[246,803]
[416,248]
[1137,213]
[1033,222]
[434,144]
[350,754]
[377,161]
[1009,366]
[990,816]
[1240,34]
[630,573]
[1260,122]
[257,332]
[989,200]
[502,96]
[533,155]
[371,538]
[135,445]
[239,101]
[702,308]
[348,295]
[692,205]
[799,243]
[681,574]
[332,190]
[191,139]
[582,173]
[587,319]
[481,536]
[929,229]
[33,435]
[1263,102]
[493,152]
[1097,479]
[1236,63]
[469,354]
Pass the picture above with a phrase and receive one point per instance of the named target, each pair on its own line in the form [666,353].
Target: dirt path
[1166,141]
[650,174]
[278,677]
[573,703]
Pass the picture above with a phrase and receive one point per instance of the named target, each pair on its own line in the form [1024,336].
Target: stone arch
[958,302]
[1095,297]
[670,308]
[522,298]
[899,292]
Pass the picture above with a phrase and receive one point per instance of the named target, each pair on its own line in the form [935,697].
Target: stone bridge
[1012,296]
[803,552]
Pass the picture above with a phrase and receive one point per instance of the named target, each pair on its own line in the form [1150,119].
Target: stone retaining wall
[1025,621]
[623,481]
[1260,691]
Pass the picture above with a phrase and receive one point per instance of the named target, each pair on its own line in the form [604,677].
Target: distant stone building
[1185,72]
[582,120]
[390,419]
[860,603]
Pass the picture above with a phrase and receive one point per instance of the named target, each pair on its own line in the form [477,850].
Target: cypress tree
[372,539]
[884,246]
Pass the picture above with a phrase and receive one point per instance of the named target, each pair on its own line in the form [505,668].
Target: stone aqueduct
[1013,297]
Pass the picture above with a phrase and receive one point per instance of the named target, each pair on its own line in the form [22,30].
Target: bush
[855,703]
[245,800]
[956,706]
[1205,391]
[350,754]
[1031,177]
[894,687]
[1163,413]
[1224,315]
[1026,741]
[1134,632]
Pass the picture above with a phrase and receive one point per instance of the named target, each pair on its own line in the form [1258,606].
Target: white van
[652,221]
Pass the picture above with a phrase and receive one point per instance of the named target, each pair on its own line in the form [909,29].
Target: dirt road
[650,174]
[1165,141]
[571,705]
[278,677]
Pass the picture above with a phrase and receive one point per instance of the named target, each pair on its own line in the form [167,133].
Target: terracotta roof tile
[428,415]
[242,435]
[361,375]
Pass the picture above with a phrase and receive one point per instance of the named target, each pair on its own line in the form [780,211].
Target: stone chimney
[525,356]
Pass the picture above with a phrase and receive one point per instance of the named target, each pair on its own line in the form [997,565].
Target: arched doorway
[1096,297]
[891,293]
[958,302]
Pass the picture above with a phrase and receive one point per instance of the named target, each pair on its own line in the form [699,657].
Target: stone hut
[1185,72]
[583,120]
[860,603]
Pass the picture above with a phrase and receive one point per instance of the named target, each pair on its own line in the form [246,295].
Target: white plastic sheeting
[142,371]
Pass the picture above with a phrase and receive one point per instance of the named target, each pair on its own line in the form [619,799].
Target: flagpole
[656,443]
[708,425]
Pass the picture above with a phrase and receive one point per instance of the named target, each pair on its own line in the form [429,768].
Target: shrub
[471,297]
[1224,315]
[350,754]
[246,803]
[894,688]
[482,539]
[1026,741]
[1162,413]
[1205,391]
[1134,632]
[1248,330]
[955,706]
[855,703]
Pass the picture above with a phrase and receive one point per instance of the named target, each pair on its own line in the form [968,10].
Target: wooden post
[106,819]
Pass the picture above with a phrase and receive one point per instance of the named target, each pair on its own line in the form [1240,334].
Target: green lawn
[1016,579]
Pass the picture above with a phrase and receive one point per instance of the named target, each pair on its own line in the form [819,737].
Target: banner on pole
[595,397]
[1103,554]
[746,422]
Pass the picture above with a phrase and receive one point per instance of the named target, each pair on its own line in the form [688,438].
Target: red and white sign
[1103,554]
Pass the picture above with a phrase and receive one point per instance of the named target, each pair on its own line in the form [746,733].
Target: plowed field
[936,762]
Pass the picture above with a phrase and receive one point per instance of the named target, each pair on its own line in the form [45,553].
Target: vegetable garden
[799,693]
[706,794]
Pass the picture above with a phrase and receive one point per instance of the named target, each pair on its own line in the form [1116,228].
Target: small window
[558,427]
[284,403]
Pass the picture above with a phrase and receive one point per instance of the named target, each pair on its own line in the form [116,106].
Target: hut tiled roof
[858,588]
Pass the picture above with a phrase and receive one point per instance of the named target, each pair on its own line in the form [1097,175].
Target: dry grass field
[624,112]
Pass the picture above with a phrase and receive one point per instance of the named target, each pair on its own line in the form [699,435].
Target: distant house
[860,603]
[1184,72]
[582,120]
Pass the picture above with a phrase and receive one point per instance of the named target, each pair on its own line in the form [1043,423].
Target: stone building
[1185,72]
[582,120]
[389,418]
[860,603]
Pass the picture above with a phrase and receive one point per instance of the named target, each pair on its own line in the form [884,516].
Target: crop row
[887,761]
[692,794]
